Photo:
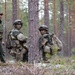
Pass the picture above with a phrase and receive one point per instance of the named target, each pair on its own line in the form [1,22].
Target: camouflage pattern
[1,30]
[18,45]
[56,42]
[1,36]
[1,53]
[47,42]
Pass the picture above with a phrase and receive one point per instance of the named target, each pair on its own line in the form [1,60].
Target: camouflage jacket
[1,30]
[16,40]
[44,39]
[49,41]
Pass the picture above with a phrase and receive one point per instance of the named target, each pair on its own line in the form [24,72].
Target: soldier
[17,42]
[47,41]
[1,35]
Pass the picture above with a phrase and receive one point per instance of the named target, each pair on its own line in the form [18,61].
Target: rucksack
[9,41]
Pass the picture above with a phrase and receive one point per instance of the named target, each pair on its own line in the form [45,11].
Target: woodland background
[58,15]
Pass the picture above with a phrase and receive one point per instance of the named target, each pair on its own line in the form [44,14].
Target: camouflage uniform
[18,43]
[47,42]
[1,36]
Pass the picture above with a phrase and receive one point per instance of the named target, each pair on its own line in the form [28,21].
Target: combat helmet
[43,27]
[17,22]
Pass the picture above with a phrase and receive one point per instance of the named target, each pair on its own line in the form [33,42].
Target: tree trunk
[46,12]
[54,18]
[18,9]
[61,34]
[33,54]
[73,26]
[14,10]
[68,52]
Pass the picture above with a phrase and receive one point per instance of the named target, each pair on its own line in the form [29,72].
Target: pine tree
[33,31]
[14,10]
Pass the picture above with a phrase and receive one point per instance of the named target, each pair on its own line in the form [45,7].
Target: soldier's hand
[44,41]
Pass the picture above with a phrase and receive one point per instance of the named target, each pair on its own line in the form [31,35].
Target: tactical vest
[11,39]
[17,47]
[45,42]
[48,37]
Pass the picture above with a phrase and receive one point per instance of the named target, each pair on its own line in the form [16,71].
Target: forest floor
[55,66]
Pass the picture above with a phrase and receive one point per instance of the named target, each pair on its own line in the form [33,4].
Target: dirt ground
[20,68]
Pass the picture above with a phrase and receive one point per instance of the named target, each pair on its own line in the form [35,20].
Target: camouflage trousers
[1,52]
[19,54]
[46,52]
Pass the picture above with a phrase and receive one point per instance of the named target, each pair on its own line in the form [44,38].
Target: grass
[56,66]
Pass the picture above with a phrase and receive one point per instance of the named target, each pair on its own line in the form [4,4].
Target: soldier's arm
[23,40]
[42,41]
[21,37]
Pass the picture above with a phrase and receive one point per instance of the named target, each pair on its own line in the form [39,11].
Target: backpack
[9,41]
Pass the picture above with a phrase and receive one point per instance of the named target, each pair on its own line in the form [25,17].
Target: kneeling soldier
[17,42]
[47,41]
